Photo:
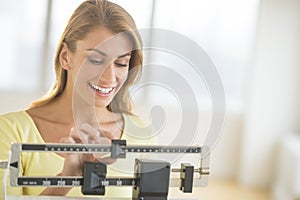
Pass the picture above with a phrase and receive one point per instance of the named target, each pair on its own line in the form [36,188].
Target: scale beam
[94,181]
[99,148]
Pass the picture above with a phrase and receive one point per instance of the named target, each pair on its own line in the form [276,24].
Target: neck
[84,112]
[61,109]
[69,108]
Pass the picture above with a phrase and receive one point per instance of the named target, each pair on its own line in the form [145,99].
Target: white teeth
[100,89]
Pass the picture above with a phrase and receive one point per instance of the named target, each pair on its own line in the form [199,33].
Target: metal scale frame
[94,180]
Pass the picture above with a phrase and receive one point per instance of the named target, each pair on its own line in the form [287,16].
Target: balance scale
[151,179]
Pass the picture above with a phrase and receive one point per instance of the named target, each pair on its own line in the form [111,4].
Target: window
[22,39]
[224,29]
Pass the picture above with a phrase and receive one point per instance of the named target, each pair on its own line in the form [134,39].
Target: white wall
[273,105]
[16,100]
[225,157]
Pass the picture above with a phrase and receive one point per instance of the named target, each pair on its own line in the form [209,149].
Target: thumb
[67,140]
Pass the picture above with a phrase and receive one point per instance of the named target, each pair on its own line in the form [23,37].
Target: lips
[102,90]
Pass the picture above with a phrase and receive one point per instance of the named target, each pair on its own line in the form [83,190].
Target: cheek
[82,75]
[84,68]
[75,69]
[122,76]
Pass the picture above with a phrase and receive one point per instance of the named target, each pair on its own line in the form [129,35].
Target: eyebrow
[104,54]
[124,55]
[98,51]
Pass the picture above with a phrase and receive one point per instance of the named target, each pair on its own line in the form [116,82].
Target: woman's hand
[85,135]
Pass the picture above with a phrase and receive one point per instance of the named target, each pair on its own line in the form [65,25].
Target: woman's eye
[121,64]
[95,61]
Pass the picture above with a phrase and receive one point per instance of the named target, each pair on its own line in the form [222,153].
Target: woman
[98,58]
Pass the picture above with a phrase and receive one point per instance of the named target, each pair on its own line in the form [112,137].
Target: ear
[64,57]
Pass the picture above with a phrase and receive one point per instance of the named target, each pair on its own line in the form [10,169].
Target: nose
[108,75]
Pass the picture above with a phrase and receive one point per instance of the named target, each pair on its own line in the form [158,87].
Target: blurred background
[255,46]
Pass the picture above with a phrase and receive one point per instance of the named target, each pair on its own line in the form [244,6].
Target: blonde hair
[89,15]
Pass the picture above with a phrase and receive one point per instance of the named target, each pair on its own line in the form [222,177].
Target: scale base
[76,198]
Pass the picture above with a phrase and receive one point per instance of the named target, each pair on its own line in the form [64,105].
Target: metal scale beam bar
[88,148]
[71,181]
[118,149]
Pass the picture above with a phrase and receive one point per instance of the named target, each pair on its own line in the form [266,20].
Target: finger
[90,130]
[102,140]
[74,134]
[79,136]
[108,135]
[106,160]
[84,138]
[67,140]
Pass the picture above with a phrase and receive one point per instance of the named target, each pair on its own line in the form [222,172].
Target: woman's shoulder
[138,128]
[18,125]
[13,117]
[9,126]
[136,120]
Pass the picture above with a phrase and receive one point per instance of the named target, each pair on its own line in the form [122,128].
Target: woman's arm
[8,135]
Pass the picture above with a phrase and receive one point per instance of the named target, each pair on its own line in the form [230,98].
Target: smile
[104,90]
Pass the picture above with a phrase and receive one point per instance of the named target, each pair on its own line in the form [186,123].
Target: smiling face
[99,66]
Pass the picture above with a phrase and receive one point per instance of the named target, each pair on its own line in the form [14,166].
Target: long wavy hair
[89,15]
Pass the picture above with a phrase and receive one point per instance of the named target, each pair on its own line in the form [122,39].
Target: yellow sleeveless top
[18,127]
